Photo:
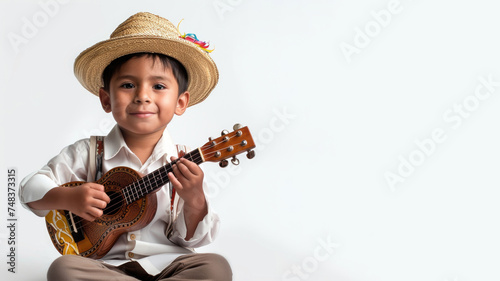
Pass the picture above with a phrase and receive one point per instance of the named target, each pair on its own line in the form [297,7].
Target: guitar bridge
[75,222]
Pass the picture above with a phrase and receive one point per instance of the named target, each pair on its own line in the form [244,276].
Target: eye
[127,85]
[159,87]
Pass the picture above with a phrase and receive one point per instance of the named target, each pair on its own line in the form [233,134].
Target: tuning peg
[224,132]
[235,160]
[223,163]
[250,154]
[212,142]
[237,126]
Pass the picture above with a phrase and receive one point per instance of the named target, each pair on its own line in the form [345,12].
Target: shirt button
[130,255]
[132,236]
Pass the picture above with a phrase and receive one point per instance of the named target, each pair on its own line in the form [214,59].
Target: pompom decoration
[191,37]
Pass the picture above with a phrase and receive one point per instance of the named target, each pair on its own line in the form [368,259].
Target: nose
[142,95]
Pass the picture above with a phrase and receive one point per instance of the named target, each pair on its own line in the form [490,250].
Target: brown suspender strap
[99,152]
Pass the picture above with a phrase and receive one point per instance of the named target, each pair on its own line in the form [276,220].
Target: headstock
[229,144]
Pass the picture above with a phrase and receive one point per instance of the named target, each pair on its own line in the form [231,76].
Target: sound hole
[115,204]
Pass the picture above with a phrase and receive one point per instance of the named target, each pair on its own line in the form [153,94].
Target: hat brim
[202,71]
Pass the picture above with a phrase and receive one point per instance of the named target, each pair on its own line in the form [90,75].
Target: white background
[338,95]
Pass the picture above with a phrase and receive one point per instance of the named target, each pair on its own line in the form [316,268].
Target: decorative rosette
[191,37]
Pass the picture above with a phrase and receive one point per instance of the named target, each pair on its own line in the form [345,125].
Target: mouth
[142,114]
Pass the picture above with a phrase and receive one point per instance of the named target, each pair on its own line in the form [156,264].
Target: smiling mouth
[142,114]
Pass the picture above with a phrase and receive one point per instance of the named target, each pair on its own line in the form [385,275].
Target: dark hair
[177,68]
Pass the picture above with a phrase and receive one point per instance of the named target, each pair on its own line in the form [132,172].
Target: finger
[181,174]
[96,186]
[100,204]
[99,195]
[174,163]
[193,167]
[103,196]
[182,170]
[91,214]
[175,170]
[87,217]
[99,192]
[189,169]
[175,182]
[98,212]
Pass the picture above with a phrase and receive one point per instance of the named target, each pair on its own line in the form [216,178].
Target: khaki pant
[208,267]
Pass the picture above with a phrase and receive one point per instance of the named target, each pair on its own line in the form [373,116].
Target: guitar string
[198,157]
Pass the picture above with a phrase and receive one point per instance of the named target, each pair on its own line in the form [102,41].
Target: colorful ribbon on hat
[191,37]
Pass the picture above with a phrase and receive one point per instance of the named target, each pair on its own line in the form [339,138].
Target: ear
[105,100]
[182,103]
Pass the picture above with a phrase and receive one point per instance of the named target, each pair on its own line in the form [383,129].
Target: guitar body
[95,239]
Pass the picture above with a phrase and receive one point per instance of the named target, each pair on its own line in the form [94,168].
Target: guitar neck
[156,179]
[217,150]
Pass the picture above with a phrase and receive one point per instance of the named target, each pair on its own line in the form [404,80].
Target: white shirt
[149,246]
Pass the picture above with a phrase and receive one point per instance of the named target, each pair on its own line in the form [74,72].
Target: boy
[144,74]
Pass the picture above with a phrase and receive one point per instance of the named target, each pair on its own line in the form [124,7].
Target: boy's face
[143,97]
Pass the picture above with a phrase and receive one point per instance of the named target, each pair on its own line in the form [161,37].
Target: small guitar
[133,199]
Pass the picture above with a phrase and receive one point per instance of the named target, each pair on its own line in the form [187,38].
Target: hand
[187,179]
[87,200]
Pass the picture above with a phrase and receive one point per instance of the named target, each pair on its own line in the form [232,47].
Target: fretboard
[155,179]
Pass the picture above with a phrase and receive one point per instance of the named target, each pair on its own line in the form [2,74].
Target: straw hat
[145,32]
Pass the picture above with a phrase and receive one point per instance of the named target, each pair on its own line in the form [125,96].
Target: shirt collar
[114,143]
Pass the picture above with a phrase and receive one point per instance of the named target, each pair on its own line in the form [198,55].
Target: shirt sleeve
[70,165]
[205,232]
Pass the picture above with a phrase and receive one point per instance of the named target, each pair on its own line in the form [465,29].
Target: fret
[194,156]
[137,187]
[146,185]
[124,192]
[149,182]
[167,168]
[157,178]
[131,189]
[131,192]
[150,186]
[141,186]
[163,175]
